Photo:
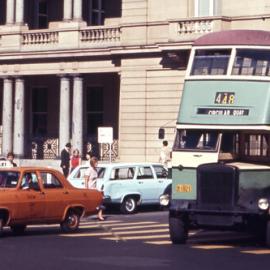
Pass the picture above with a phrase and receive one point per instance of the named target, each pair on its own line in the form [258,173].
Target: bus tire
[178,230]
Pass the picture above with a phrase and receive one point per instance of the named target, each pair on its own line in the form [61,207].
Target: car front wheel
[178,230]
[18,229]
[128,206]
[71,222]
[1,226]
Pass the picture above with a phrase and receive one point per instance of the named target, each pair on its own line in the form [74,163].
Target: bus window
[196,140]
[210,62]
[251,62]
[256,145]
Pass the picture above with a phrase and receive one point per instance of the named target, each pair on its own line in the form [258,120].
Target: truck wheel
[18,229]
[267,235]
[128,206]
[71,222]
[178,230]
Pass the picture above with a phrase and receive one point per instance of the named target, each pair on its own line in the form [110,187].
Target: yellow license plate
[183,188]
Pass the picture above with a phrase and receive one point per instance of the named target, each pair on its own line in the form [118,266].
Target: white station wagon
[127,184]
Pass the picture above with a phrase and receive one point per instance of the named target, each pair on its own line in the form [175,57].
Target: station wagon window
[50,181]
[122,173]
[9,179]
[251,62]
[80,173]
[161,172]
[30,180]
[145,173]
[199,140]
[210,62]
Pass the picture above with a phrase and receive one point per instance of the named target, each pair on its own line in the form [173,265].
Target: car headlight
[263,204]
[164,200]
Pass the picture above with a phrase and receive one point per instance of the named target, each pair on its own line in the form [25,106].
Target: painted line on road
[99,222]
[257,251]
[211,247]
[165,242]
[102,224]
[141,237]
[116,234]
[140,227]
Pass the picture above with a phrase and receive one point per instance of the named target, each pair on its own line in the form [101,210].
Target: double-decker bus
[221,153]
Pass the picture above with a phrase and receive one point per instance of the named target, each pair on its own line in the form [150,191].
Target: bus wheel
[178,230]
[267,235]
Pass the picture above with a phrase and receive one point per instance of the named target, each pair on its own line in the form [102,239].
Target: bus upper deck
[228,80]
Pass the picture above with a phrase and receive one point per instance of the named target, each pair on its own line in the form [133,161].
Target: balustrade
[39,38]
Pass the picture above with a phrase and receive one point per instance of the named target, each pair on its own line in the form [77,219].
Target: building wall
[126,55]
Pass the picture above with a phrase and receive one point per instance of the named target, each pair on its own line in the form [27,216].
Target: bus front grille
[217,187]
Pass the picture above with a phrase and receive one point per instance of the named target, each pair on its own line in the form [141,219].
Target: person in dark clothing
[65,159]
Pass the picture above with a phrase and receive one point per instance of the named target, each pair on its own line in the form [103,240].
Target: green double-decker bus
[221,153]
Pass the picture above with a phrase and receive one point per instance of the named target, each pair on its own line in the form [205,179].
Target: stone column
[64,114]
[67,10]
[77,10]
[7,117]
[19,112]
[19,15]
[10,11]
[77,113]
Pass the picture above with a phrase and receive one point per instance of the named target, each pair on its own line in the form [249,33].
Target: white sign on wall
[105,135]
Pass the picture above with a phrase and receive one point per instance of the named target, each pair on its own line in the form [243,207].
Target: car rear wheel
[129,205]
[178,230]
[18,229]
[71,222]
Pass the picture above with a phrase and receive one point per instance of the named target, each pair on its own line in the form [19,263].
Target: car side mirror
[161,133]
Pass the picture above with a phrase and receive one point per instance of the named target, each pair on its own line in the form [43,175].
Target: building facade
[70,66]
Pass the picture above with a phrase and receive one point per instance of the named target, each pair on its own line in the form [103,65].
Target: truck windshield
[198,140]
[9,179]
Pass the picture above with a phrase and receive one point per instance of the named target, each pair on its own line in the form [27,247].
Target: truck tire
[71,222]
[178,230]
[128,206]
[267,234]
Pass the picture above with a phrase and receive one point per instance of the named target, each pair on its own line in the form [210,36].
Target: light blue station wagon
[127,184]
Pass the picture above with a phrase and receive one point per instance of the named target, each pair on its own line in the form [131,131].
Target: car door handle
[140,182]
[65,192]
[160,181]
[197,155]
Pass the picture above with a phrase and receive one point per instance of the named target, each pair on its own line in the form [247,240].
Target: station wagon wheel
[71,222]
[128,206]
[178,230]
[18,229]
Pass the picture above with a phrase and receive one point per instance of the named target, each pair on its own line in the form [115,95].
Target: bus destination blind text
[223,111]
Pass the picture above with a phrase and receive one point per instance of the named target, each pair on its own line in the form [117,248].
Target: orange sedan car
[35,195]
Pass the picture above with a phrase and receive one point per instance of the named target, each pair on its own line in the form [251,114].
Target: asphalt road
[137,241]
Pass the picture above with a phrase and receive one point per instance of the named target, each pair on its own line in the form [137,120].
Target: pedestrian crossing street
[157,234]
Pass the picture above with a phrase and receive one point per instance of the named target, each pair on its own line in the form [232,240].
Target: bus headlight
[164,200]
[263,204]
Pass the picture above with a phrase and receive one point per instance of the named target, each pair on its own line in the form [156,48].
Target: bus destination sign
[223,111]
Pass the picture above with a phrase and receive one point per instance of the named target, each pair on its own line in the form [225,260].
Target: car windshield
[199,140]
[9,179]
